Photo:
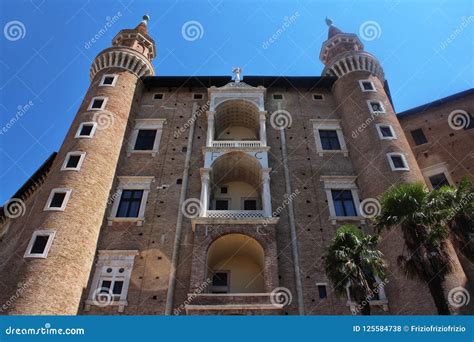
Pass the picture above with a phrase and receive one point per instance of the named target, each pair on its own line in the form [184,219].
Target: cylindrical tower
[379,152]
[56,282]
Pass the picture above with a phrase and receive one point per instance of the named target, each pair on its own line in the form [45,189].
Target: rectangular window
[145,140]
[386,132]
[98,103]
[58,199]
[198,96]
[278,96]
[376,107]
[343,203]
[222,204]
[86,130]
[130,202]
[220,282]
[158,96]
[397,162]
[322,291]
[108,80]
[73,161]
[329,139]
[250,205]
[366,85]
[40,244]
[438,180]
[419,136]
[318,97]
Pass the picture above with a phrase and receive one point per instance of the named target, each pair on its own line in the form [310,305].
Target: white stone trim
[361,84]
[65,201]
[436,170]
[379,131]
[115,76]
[115,260]
[98,98]
[41,232]
[392,166]
[91,135]
[131,183]
[82,156]
[329,124]
[150,124]
[342,183]
[383,111]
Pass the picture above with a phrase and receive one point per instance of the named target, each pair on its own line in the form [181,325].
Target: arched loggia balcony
[236,186]
[236,123]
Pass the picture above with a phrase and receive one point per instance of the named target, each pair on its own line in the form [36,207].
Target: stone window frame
[91,135]
[329,124]
[361,84]
[318,100]
[40,232]
[282,97]
[194,96]
[104,104]
[383,111]
[148,124]
[379,131]
[342,183]
[436,170]
[82,156]
[398,154]
[114,82]
[382,301]
[54,191]
[131,183]
[114,259]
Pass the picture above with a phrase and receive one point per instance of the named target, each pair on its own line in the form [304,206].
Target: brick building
[202,195]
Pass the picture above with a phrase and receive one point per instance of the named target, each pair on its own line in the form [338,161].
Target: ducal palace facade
[207,195]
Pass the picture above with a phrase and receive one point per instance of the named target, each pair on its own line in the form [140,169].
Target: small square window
[397,162]
[179,181]
[39,244]
[98,103]
[322,291]
[145,140]
[220,282]
[108,80]
[250,205]
[223,189]
[73,161]
[376,107]
[158,96]
[366,85]
[278,96]
[198,96]
[386,132]
[419,137]
[439,180]
[58,199]
[222,204]
[86,130]
[318,97]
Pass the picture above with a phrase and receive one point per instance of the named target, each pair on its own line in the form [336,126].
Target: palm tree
[421,215]
[353,258]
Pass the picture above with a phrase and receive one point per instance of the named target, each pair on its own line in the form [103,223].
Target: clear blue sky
[49,65]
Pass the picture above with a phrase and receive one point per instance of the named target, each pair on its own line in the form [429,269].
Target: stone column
[210,128]
[205,180]
[266,195]
[263,129]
